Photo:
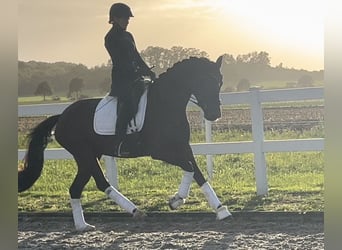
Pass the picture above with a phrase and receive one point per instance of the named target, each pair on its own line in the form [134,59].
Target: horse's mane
[185,66]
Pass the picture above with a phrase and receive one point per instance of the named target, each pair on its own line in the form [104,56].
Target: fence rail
[259,146]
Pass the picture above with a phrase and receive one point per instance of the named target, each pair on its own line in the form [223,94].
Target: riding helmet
[119,10]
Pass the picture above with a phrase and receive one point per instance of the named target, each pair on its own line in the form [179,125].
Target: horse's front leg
[222,212]
[191,171]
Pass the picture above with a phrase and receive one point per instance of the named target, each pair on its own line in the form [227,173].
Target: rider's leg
[123,118]
[127,108]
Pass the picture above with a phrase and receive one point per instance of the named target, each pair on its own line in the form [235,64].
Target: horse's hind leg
[103,185]
[183,191]
[88,165]
[82,177]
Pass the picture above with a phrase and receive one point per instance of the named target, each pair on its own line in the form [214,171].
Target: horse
[164,136]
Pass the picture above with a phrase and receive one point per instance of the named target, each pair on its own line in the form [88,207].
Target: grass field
[296,181]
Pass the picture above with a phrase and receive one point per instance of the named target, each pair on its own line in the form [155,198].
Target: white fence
[255,97]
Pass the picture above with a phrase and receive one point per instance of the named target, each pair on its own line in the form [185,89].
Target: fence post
[111,170]
[208,137]
[258,138]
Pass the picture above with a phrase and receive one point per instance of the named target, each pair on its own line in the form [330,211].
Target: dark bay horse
[165,136]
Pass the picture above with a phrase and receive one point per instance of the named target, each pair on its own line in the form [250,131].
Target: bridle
[194,100]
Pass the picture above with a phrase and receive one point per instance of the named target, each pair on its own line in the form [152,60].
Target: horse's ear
[219,61]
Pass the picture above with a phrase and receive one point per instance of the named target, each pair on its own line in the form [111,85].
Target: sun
[297,22]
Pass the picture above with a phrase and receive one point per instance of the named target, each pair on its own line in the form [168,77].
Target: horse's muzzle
[212,116]
[212,112]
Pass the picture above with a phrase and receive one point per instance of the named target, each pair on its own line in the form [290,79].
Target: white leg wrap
[221,211]
[78,216]
[120,199]
[210,194]
[184,187]
[176,201]
[183,191]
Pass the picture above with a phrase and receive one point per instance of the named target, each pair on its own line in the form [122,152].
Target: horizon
[100,65]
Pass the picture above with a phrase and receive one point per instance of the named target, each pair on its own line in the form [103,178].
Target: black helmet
[119,10]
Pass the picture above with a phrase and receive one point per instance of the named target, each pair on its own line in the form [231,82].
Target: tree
[163,58]
[75,86]
[229,72]
[228,59]
[262,58]
[243,85]
[43,89]
[104,86]
[156,56]
[305,81]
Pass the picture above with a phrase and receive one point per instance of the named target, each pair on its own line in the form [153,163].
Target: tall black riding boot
[121,127]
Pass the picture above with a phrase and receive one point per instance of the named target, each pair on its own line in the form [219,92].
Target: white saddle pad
[105,116]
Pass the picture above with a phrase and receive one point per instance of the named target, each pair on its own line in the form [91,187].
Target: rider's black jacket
[127,62]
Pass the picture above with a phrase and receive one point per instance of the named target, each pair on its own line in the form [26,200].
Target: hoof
[139,214]
[176,201]
[222,213]
[85,228]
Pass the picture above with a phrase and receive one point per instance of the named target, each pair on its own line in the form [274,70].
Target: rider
[128,68]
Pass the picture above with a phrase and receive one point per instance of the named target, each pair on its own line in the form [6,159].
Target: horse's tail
[34,158]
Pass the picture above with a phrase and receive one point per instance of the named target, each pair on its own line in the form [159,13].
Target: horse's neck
[171,97]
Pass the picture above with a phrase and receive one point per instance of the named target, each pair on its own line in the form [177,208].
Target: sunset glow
[290,31]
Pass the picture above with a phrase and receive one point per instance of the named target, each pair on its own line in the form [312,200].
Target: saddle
[106,114]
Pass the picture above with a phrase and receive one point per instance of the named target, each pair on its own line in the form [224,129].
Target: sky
[291,31]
